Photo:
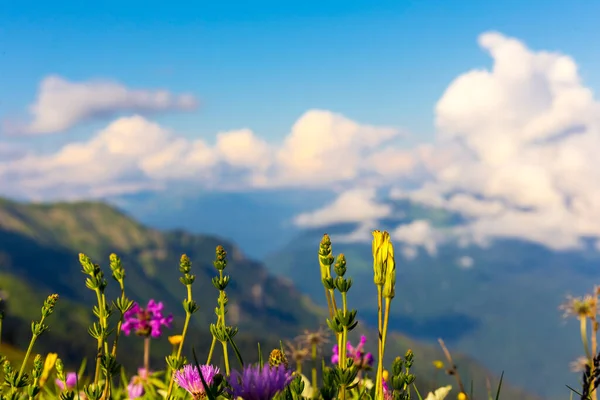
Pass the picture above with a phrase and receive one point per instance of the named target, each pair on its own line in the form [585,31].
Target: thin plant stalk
[452,367]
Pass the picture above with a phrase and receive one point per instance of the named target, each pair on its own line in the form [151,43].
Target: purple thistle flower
[255,383]
[361,359]
[189,379]
[146,322]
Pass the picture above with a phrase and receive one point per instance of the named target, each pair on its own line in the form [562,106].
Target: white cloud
[62,104]
[517,149]
[465,262]
[351,206]
[133,153]
[417,233]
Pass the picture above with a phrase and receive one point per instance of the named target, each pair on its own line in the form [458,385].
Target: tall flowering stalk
[190,307]
[326,260]
[98,330]
[122,304]
[37,328]
[343,321]
[384,277]
[220,331]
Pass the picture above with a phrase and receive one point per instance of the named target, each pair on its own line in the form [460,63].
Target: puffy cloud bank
[515,152]
[133,153]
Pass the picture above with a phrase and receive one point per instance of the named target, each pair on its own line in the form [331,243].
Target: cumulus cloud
[133,153]
[354,205]
[517,149]
[417,233]
[62,104]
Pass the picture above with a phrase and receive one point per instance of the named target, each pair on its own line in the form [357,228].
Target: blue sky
[328,95]
[261,64]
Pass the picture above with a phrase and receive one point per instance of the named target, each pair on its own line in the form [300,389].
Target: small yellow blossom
[175,340]
[461,396]
[48,365]
[386,374]
[438,364]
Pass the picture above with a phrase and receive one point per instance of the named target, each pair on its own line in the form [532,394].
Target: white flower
[439,394]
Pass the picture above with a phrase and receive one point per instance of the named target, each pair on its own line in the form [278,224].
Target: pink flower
[361,359]
[71,380]
[146,322]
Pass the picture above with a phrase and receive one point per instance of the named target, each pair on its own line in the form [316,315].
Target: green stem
[28,352]
[584,338]
[299,367]
[342,349]
[379,375]
[314,368]
[226,357]
[186,324]
[119,324]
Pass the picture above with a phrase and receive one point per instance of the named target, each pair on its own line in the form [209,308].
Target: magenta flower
[361,359]
[255,383]
[71,379]
[189,379]
[135,388]
[388,394]
[146,322]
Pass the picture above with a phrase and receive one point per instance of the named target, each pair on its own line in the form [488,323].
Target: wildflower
[438,364]
[316,338]
[386,375]
[461,396]
[297,352]
[388,394]
[277,357]
[189,379]
[71,380]
[175,340]
[254,383]
[439,394]
[135,388]
[361,359]
[580,307]
[579,364]
[146,322]
[48,365]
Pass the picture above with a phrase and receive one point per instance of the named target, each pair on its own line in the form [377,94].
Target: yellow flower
[438,364]
[386,374]
[175,340]
[380,255]
[389,287]
[48,365]
[462,396]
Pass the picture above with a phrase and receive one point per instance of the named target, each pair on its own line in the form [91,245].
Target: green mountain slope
[39,244]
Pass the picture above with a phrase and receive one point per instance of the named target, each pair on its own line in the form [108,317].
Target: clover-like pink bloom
[146,322]
[71,380]
[361,359]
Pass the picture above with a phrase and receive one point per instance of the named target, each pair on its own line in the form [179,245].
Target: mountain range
[39,244]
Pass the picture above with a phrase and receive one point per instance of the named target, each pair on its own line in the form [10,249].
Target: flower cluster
[146,321]
[362,360]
